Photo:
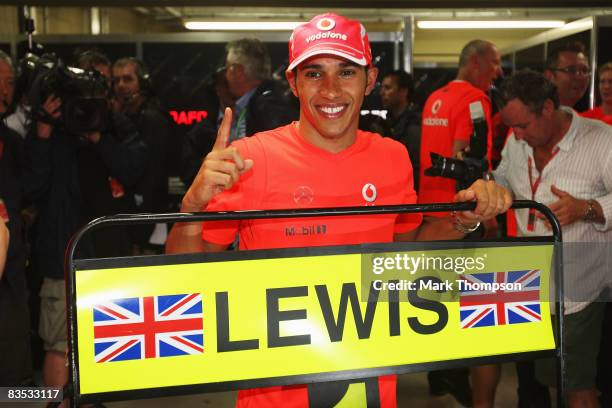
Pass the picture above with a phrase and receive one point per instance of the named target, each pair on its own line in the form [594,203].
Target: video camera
[474,164]
[83,93]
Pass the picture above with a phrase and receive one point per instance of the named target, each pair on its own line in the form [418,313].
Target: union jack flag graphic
[483,308]
[148,327]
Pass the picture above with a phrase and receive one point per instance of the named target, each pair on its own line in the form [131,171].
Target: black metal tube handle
[137,219]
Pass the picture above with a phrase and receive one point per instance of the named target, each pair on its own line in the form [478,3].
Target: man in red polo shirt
[446,130]
[446,122]
[322,160]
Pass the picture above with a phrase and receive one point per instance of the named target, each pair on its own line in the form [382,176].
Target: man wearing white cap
[322,160]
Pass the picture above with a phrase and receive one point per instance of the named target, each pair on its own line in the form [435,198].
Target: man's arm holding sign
[491,199]
[220,170]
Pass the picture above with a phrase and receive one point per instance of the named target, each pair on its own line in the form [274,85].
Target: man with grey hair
[447,125]
[260,104]
[446,130]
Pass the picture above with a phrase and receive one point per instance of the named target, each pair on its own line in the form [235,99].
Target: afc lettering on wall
[188,117]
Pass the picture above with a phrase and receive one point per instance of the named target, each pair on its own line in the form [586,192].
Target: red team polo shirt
[446,118]
[289,172]
[597,113]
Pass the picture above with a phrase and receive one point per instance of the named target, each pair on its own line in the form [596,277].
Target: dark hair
[553,57]
[532,88]
[253,55]
[139,67]
[404,81]
[89,58]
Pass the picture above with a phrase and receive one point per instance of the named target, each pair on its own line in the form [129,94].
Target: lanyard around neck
[531,216]
[239,121]
[535,184]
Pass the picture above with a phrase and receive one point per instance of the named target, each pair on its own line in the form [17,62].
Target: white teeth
[332,110]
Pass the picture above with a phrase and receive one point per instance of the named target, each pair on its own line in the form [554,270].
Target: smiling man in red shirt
[322,160]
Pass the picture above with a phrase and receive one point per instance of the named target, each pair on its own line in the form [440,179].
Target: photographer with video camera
[134,97]
[83,161]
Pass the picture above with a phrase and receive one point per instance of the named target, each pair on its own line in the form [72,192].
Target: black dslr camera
[84,94]
[474,164]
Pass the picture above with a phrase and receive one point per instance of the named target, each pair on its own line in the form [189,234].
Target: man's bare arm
[491,199]
[186,237]
[459,146]
[432,229]
[220,170]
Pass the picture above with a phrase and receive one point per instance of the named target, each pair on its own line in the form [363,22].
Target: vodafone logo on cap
[322,36]
[326,24]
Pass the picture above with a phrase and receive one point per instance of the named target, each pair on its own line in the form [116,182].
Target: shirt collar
[243,101]
[568,139]
[570,136]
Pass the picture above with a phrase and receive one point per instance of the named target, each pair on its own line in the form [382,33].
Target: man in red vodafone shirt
[446,130]
[446,123]
[322,160]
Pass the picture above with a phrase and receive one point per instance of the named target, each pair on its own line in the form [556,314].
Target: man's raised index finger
[224,130]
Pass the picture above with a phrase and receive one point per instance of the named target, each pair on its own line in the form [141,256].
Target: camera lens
[446,167]
[85,114]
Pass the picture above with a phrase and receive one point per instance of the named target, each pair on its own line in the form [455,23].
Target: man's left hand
[491,199]
[567,208]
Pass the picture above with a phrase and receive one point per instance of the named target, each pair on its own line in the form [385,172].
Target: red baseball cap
[330,34]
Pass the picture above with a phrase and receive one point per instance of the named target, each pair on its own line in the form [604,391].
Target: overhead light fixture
[242,25]
[488,24]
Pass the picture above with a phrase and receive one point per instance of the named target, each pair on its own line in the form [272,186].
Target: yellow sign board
[229,321]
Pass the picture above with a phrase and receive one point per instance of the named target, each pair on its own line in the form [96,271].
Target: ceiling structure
[384,19]
[430,46]
[365,4]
